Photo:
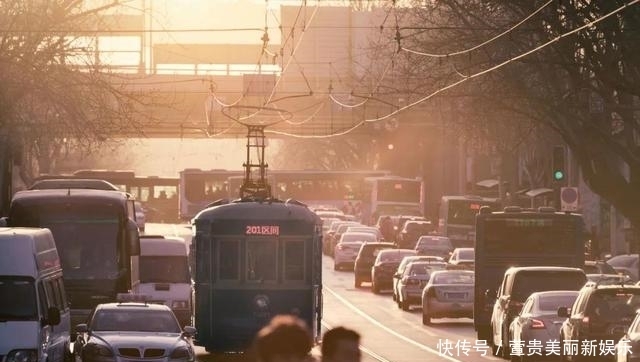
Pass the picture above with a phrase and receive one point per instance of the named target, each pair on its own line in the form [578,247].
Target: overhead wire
[588,24]
[486,42]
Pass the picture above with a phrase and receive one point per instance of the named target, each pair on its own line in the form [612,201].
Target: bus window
[261,260]
[194,189]
[294,260]
[228,257]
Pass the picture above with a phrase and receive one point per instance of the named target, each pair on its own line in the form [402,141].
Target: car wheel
[358,282]
[374,287]
[426,318]
[394,296]
[505,342]
[404,305]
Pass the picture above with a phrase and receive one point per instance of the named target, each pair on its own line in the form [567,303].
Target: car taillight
[585,319]
[536,324]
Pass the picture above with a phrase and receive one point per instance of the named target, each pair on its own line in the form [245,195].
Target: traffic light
[559,171]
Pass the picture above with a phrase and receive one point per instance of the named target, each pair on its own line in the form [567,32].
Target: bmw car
[119,332]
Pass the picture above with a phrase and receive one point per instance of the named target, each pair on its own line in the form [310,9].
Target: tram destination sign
[262,230]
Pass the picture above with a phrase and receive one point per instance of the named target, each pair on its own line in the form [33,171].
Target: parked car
[385,266]
[345,253]
[437,263]
[365,259]
[448,294]
[434,245]
[538,321]
[133,331]
[601,313]
[517,285]
[412,231]
[413,280]
[462,258]
[626,263]
[598,267]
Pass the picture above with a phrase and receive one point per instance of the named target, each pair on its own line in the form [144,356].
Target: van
[164,274]
[36,317]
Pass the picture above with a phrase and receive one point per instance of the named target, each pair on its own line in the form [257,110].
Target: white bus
[392,195]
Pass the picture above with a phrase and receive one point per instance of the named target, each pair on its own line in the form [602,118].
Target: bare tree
[58,92]
[585,87]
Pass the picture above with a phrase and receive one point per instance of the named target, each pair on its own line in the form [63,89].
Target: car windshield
[527,282]
[419,269]
[129,320]
[434,243]
[453,278]
[551,303]
[365,237]
[17,299]
[466,254]
[624,261]
[614,304]
[395,255]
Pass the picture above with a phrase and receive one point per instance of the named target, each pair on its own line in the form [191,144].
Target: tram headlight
[261,302]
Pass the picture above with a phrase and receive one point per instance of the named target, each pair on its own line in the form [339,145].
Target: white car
[345,253]
[134,331]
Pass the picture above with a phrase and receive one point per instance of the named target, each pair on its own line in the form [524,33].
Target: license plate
[455,295]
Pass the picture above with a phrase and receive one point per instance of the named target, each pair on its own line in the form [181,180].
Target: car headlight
[94,350]
[22,355]
[181,352]
[180,304]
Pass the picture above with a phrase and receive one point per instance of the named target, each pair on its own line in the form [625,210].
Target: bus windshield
[86,236]
[463,212]
[399,190]
[164,269]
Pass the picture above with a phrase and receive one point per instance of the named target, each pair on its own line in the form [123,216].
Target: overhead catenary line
[460,52]
[588,24]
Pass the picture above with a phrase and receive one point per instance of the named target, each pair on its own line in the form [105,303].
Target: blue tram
[254,260]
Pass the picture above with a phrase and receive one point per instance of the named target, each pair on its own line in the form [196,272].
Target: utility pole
[6,175]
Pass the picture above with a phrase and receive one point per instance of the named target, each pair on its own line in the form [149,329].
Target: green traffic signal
[558,175]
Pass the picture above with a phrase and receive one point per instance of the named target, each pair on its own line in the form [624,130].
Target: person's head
[286,338]
[341,345]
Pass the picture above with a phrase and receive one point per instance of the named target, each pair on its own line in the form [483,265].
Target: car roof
[551,293]
[453,271]
[132,306]
[517,269]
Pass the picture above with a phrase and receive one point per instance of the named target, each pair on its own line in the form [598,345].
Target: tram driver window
[294,260]
[261,260]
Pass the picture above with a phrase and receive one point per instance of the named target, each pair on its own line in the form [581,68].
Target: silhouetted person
[341,345]
[285,339]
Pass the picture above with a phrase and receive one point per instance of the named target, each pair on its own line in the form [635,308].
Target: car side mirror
[189,331]
[53,316]
[82,328]
[563,312]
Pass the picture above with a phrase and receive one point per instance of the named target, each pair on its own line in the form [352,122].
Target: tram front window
[261,260]
[294,260]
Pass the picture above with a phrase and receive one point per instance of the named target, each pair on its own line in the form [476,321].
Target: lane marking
[389,330]
[407,322]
